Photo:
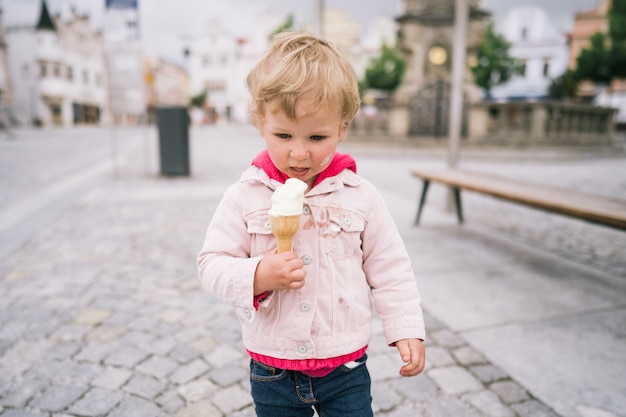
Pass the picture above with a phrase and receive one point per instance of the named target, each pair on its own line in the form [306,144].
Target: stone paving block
[75,373]
[231,399]
[126,356]
[465,355]
[112,378]
[488,403]
[455,380]
[22,356]
[170,401]
[97,402]
[92,316]
[224,355]
[161,346]
[488,373]
[197,390]
[21,413]
[200,409]
[532,408]
[157,366]
[70,332]
[63,350]
[137,407]
[383,367]
[509,391]
[438,357]
[18,396]
[95,352]
[383,397]
[228,375]
[204,345]
[403,412]
[137,338]
[184,353]
[415,389]
[58,398]
[246,412]
[105,334]
[444,337]
[448,407]
[189,371]
[144,386]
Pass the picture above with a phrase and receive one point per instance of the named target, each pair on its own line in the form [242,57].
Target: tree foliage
[494,66]
[564,86]
[385,71]
[605,59]
[286,26]
[199,99]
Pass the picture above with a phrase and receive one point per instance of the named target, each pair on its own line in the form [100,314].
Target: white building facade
[58,72]
[543,50]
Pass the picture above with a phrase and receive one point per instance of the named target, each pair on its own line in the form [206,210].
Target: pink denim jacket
[352,252]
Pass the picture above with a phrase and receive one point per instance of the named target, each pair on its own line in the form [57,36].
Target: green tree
[286,26]
[605,59]
[563,87]
[385,71]
[494,66]
[198,100]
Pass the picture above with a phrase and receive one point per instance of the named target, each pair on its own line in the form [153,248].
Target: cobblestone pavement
[101,312]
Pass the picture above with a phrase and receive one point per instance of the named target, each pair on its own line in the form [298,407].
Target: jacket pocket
[343,235]
[260,230]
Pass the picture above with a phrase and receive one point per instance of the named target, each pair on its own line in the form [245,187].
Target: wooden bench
[593,208]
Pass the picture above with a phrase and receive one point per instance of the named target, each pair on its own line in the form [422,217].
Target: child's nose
[299,151]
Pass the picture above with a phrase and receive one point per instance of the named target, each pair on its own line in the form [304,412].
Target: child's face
[304,147]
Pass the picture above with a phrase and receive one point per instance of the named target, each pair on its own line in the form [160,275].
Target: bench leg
[422,201]
[457,200]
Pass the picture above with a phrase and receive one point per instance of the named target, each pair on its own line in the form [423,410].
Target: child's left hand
[413,354]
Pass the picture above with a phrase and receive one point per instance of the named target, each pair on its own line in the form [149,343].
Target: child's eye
[283,135]
[318,137]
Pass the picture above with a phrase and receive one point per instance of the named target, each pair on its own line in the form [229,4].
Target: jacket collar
[327,185]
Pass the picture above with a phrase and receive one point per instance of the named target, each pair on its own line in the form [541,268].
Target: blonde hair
[300,63]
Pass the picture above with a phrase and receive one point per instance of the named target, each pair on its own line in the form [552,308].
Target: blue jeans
[345,392]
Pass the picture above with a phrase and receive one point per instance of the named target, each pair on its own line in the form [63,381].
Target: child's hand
[413,354]
[279,271]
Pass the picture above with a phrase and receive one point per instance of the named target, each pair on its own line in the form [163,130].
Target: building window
[70,73]
[524,33]
[57,70]
[546,68]
[98,80]
[85,77]
[25,71]
[43,70]
[523,68]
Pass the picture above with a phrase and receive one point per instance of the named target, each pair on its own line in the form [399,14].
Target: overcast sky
[164,23]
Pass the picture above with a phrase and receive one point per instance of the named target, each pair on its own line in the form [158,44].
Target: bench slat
[594,208]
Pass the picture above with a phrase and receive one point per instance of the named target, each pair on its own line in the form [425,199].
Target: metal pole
[461,17]
[319,17]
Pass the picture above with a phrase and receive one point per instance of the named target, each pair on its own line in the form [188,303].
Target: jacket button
[307,259]
[306,210]
[247,313]
[347,221]
[267,225]
[302,349]
[305,307]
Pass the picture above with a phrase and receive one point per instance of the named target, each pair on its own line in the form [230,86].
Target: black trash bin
[173,125]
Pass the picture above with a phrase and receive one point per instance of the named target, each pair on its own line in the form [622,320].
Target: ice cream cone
[284,229]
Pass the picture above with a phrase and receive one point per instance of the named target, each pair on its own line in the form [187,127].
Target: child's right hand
[279,271]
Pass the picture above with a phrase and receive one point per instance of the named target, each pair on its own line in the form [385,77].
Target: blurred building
[125,61]
[167,84]
[542,49]
[5,80]
[58,71]
[586,23]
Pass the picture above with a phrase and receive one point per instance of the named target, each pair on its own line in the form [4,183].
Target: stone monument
[425,37]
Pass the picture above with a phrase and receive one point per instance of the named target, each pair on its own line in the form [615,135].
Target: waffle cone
[284,228]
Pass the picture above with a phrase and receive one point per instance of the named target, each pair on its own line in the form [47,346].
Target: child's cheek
[327,160]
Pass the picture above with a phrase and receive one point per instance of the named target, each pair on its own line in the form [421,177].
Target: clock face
[437,55]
